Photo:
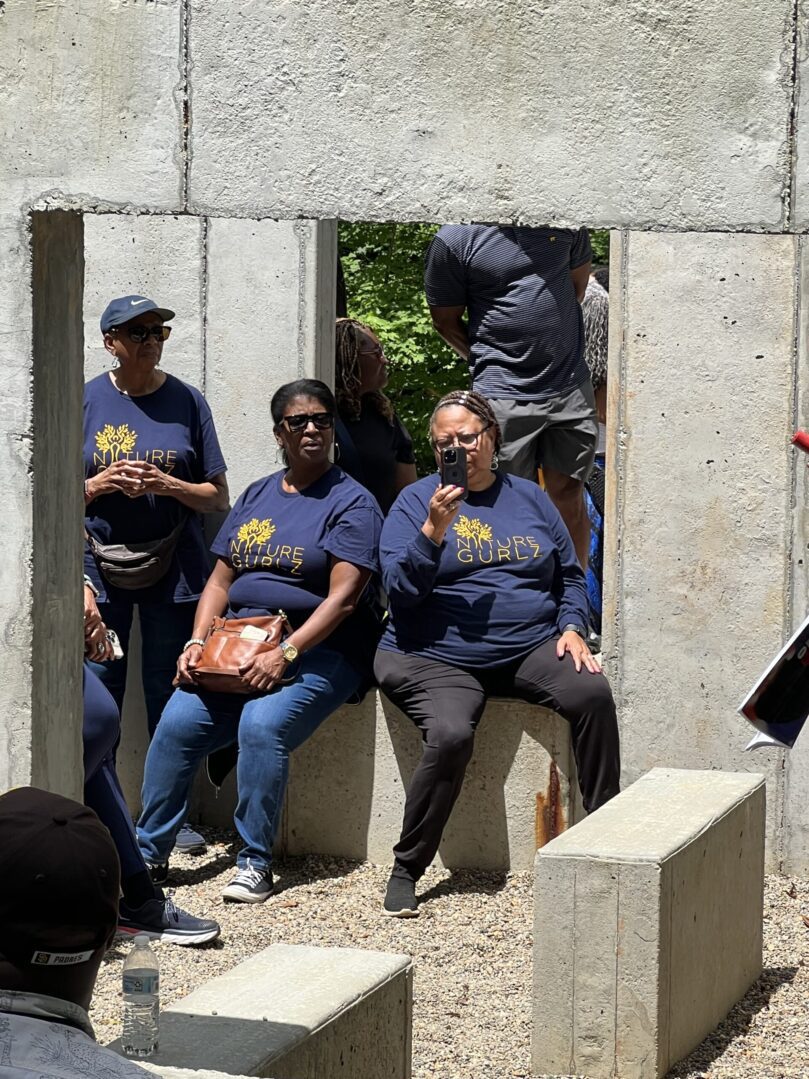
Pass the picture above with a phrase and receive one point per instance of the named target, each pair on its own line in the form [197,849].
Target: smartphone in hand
[453,468]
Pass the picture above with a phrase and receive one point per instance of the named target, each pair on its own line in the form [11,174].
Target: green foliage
[383,265]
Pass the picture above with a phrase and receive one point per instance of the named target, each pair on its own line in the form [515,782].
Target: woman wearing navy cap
[152,466]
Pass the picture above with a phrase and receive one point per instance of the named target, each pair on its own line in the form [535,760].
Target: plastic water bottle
[141,985]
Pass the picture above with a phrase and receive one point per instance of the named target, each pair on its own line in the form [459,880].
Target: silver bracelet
[193,640]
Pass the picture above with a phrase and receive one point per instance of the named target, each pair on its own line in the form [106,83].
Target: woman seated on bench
[303,540]
[486,598]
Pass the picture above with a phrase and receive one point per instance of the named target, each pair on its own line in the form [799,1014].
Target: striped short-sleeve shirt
[525,324]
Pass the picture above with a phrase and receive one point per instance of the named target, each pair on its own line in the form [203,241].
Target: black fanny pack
[135,565]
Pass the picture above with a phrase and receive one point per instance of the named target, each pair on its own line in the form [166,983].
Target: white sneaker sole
[170,937]
[405,912]
[235,894]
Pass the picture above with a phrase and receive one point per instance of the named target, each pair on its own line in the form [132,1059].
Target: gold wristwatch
[289,651]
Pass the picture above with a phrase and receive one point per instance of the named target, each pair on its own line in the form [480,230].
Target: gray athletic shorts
[560,433]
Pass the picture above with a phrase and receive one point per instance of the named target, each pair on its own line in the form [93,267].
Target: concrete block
[305,110]
[156,255]
[296,1012]
[90,102]
[648,924]
[270,319]
[800,179]
[698,519]
[347,783]
[796,766]
[40,594]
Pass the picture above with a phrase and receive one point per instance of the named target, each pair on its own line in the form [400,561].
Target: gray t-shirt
[525,324]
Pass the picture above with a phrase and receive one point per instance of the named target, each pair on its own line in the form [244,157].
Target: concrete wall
[437,111]
[254,304]
[703,365]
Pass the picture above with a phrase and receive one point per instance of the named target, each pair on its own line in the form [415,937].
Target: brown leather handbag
[230,643]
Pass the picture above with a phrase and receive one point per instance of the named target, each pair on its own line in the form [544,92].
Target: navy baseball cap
[119,311]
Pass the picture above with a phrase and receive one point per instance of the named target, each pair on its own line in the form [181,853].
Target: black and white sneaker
[400,898]
[159,919]
[250,885]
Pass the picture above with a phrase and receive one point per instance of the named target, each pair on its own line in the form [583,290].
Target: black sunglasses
[322,421]
[139,334]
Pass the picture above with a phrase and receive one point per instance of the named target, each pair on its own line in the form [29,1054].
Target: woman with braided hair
[486,597]
[373,445]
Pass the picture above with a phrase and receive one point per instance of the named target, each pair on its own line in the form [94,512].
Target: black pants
[446,704]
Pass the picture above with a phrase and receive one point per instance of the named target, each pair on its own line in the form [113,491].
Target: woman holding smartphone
[486,598]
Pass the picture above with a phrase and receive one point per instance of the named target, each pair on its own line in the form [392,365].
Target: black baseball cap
[59,880]
[119,311]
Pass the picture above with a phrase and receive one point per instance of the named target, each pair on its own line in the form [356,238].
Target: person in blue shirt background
[304,540]
[486,597]
[151,462]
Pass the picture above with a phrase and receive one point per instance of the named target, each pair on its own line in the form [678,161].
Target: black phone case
[454,471]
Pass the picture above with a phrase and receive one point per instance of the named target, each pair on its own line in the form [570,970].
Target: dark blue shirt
[280,544]
[173,429]
[525,323]
[504,580]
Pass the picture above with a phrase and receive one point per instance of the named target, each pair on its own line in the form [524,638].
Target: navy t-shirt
[525,325]
[173,429]
[377,446]
[504,580]
[280,543]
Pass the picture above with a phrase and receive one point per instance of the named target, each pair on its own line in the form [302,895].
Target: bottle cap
[142,940]
[801,440]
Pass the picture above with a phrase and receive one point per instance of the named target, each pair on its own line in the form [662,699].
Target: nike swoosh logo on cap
[136,302]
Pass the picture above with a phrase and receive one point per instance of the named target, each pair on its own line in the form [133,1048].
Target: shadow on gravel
[180,875]
[736,1024]
[466,883]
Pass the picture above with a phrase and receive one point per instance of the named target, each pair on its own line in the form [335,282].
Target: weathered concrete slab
[516,794]
[698,499]
[796,765]
[161,256]
[90,103]
[296,1012]
[270,319]
[285,93]
[648,924]
[40,595]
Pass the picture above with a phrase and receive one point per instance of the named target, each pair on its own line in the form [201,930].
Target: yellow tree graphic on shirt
[255,532]
[473,530]
[115,440]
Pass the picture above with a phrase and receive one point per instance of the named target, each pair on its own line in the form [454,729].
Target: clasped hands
[260,673]
[132,478]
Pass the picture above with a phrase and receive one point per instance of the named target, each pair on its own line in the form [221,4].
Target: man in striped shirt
[507,299]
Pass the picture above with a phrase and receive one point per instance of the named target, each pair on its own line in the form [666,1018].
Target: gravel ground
[472,950]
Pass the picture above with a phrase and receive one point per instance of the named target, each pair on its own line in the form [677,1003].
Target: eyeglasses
[139,334]
[467,439]
[322,421]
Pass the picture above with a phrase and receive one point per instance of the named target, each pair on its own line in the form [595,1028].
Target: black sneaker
[250,885]
[400,898]
[159,919]
[159,872]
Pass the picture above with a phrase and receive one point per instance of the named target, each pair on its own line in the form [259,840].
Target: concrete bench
[648,924]
[346,790]
[294,1012]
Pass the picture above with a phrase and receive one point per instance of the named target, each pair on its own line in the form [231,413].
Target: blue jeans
[164,629]
[267,728]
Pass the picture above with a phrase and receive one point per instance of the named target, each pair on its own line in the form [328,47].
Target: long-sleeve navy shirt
[504,580]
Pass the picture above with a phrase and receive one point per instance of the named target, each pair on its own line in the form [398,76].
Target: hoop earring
[337,453]
[495,461]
